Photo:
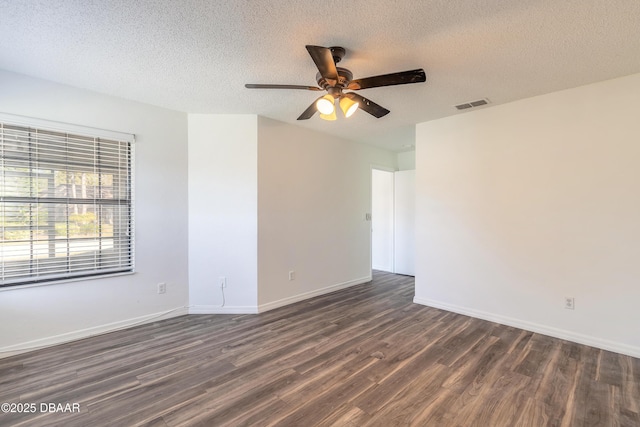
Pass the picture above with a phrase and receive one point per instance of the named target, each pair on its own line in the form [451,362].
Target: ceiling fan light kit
[335,80]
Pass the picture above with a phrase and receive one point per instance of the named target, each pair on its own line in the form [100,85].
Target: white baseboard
[216,309]
[301,297]
[535,327]
[229,309]
[24,347]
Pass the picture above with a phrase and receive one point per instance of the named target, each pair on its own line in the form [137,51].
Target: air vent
[472,104]
[464,106]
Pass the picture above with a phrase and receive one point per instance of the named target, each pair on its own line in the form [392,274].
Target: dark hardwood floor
[364,356]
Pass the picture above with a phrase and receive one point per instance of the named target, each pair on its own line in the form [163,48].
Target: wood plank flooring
[364,356]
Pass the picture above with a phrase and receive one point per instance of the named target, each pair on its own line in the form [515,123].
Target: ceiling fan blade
[310,111]
[324,61]
[261,86]
[368,106]
[401,78]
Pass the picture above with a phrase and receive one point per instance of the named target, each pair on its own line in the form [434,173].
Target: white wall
[223,212]
[382,220]
[54,313]
[406,160]
[313,194]
[520,205]
[266,198]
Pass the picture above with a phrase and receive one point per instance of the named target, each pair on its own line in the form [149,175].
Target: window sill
[62,281]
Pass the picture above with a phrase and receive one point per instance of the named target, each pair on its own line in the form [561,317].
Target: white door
[382,220]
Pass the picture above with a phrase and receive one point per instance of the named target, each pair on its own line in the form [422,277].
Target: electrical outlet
[292,275]
[569,303]
[222,281]
[162,288]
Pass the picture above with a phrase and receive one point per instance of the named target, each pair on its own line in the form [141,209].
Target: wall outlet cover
[569,303]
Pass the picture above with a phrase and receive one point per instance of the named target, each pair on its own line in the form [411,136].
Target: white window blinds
[66,206]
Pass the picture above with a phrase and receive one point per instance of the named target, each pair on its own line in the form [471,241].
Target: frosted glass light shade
[330,117]
[325,104]
[348,106]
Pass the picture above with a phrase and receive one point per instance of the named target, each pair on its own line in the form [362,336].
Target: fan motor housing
[344,77]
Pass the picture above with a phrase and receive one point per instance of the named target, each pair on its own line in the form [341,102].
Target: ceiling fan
[335,80]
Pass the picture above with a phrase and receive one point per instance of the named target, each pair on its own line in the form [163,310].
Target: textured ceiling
[196,55]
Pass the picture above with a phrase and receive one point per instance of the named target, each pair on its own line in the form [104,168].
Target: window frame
[95,134]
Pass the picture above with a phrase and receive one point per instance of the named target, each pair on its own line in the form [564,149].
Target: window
[65,202]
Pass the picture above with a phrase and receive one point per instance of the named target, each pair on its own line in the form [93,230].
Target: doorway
[392,221]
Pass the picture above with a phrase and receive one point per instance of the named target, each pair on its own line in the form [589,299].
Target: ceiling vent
[472,104]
